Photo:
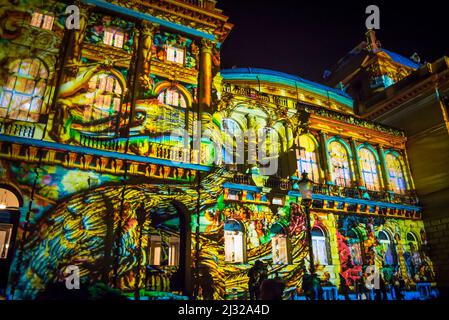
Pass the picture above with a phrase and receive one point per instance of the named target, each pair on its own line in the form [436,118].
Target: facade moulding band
[358,201]
[101,153]
[147,17]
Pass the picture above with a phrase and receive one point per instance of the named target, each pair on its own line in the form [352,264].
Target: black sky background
[306,37]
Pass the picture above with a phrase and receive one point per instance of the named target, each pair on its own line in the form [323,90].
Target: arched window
[172,97]
[232,132]
[308,158]
[279,244]
[396,173]
[231,127]
[412,243]
[235,242]
[319,245]
[387,248]
[412,254]
[355,248]
[269,144]
[368,166]
[8,200]
[105,98]
[340,164]
[24,89]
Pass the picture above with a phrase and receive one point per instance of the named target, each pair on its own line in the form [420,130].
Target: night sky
[306,37]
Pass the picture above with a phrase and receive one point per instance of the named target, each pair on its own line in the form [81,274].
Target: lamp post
[305,186]
[141,218]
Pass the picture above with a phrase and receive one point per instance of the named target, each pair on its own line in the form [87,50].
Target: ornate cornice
[174,72]
[211,22]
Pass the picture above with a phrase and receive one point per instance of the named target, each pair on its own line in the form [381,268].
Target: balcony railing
[19,129]
[409,198]
[117,145]
[155,150]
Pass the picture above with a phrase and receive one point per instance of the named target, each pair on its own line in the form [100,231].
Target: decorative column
[78,39]
[205,83]
[411,182]
[356,161]
[383,166]
[147,32]
[326,160]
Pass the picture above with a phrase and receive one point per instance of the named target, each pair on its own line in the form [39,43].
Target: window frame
[114,96]
[44,15]
[308,161]
[389,242]
[175,50]
[14,92]
[373,173]
[394,179]
[155,243]
[337,166]
[174,243]
[7,229]
[323,239]
[242,235]
[114,31]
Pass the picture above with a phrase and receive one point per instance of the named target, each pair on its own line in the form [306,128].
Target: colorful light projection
[177,49]
[235,235]
[308,157]
[368,165]
[340,164]
[367,241]
[396,173]
[23,93]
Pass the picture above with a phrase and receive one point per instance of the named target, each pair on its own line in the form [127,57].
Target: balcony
[153,149]
[18,128]
[409,198]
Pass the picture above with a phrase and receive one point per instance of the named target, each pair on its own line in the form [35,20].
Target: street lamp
[305,186]
[141,218]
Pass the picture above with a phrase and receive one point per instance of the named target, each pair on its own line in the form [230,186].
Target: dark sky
[306,37]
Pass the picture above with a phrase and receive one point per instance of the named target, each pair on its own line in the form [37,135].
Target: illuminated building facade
[92,175]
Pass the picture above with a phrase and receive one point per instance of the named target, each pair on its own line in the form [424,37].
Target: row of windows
[235,245]
[235,240]
[22,99]
[340,161]
[111,36]
[24,90]
[307,155]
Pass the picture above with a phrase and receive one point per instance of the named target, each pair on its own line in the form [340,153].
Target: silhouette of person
[206,283]
[257,274]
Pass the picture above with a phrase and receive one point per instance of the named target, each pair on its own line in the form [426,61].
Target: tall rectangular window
[175,54]
[319,250]
[5,239]
[113,37]
[234,251]
[43,21]
[155,250]
[173,251]
[279,249]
